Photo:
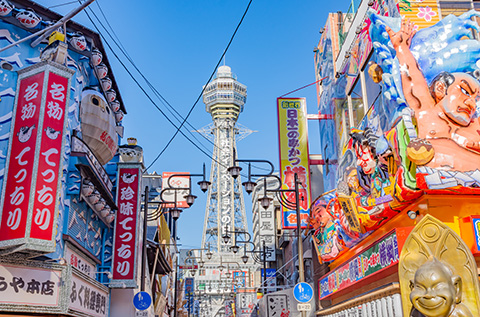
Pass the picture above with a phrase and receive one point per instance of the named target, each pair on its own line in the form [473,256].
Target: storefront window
[357,103]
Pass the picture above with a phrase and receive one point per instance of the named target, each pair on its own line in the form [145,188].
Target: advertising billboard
[125,237]
[175,182]
[293,147]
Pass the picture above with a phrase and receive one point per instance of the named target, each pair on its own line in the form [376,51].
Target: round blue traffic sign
[142,300]
[303,292]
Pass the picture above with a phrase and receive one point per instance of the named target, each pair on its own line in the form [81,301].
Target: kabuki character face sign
[365,158]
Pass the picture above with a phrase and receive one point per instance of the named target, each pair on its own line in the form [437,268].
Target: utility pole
[301,271]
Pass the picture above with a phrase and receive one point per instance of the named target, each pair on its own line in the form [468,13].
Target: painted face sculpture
[436,292]
[457,96]
[365,159]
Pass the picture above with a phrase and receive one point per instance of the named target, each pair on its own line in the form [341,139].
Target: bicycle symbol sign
[303,292]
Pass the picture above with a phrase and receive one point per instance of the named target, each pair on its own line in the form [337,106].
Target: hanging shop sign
[293,145]
[383,254]
[126,233]
[80,262]
[245,302]
[88,297]
[34,162]
[175,195]
[267,232]
[33,287]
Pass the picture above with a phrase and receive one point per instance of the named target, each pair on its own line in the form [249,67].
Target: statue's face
[433,292]
[459,103]
[365,159]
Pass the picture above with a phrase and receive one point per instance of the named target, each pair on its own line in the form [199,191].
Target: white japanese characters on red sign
[30,198]
[45,202]
[19,171]
[126,224]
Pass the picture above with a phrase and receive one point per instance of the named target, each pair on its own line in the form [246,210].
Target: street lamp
[265,202]
[245,257]
[175,213]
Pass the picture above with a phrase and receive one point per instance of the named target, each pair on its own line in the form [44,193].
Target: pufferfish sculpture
[98,125]
[25,133]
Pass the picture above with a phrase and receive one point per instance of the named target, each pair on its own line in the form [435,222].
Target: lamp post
[265,201]
[175,212]
[244,258]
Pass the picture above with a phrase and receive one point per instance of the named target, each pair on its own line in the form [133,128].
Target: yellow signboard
[350,211]
[293,144]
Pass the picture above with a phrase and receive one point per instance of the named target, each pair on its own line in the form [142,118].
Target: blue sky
[177,43]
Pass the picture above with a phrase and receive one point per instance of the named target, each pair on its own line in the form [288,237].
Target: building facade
[396,123]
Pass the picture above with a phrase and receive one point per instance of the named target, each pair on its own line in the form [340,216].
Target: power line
[62,4]
[205,86]
[119,44]
[148,96]
[162,99]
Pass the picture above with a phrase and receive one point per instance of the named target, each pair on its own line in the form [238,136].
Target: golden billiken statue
[436,292]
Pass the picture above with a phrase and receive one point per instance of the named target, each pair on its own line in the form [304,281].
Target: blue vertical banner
[189,292]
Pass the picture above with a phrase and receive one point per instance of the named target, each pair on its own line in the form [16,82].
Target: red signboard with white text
[50,157]
[125,237]
[18,182]
[30,195]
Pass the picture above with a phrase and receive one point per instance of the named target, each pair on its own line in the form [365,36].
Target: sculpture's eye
[464,91]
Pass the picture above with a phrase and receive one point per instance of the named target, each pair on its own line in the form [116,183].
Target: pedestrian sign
[142,300]
[303,292]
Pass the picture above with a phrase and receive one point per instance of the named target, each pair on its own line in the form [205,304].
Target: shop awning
[156,259]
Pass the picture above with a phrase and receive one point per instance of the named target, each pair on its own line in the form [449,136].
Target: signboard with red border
[126,226]
[175,182]
[293,147]
[30,197]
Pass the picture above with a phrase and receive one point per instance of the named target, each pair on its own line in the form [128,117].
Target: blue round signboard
[303,292]
[142,300]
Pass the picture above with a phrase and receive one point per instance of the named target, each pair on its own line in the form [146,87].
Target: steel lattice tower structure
[224,98]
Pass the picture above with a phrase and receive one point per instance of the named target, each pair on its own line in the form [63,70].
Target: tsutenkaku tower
[224,98]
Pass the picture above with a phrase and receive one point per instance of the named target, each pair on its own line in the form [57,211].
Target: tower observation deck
[224,98]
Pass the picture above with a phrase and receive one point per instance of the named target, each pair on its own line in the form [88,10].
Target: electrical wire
[122,49]
[62,4]
[119,44]
[149,97]
[205,86]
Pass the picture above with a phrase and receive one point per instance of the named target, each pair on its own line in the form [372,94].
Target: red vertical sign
[45,198]
[18,179]
[126,224]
